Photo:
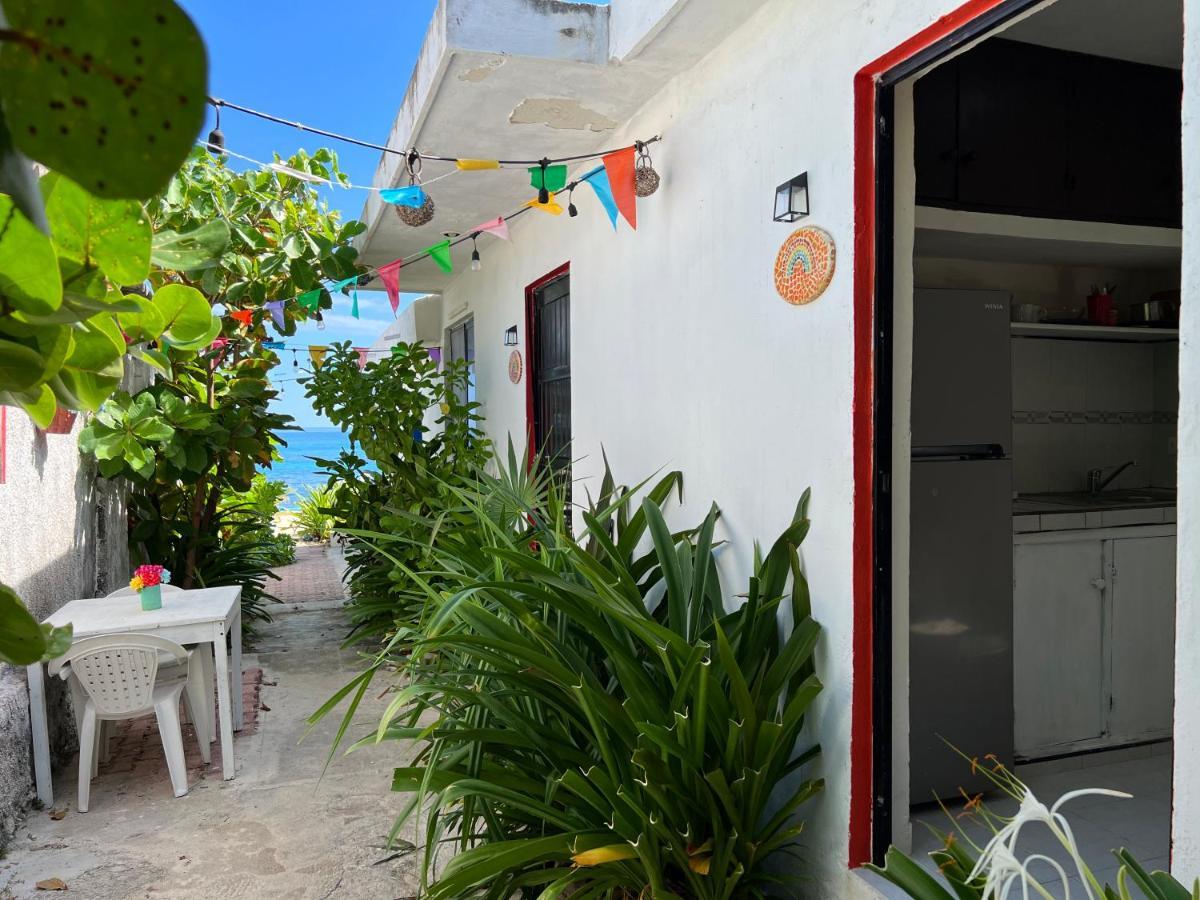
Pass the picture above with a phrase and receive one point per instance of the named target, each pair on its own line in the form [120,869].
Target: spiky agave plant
[595,723]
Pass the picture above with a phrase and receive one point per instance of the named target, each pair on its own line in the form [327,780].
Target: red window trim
[866,83]
[530,374]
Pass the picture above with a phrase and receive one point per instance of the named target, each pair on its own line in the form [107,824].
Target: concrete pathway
[313,581]
[277,830]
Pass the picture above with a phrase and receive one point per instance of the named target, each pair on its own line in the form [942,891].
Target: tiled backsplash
[1079,405]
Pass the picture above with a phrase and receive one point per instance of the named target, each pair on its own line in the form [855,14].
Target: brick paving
[314,578]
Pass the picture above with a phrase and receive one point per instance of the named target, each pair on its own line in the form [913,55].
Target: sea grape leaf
[18,180]
[40,405]
[187,251]
[29,279]
[144,325]
[113,235]
[115,101]
[21,639]
[185,313]
[21,367]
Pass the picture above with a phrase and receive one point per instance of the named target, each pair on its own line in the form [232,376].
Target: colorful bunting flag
[496,226]
[389,274]
[620,166]
[362,357]
[245,316]
[551,207]
[346,282]
[598,179]
[275,308]
[474,165]
[440,253]
[413,195]
[317,353]
[310,300]
[273,345]
[555,178]
[297,173]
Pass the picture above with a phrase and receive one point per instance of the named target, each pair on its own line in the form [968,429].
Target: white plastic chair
[123,676]
[204,672]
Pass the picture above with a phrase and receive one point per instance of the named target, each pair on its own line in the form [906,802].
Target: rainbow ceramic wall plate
[804,266]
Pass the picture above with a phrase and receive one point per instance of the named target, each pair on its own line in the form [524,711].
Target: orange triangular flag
[619,166]
[245,316]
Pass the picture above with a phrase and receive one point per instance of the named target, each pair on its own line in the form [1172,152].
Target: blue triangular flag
[413,195]
[598,179]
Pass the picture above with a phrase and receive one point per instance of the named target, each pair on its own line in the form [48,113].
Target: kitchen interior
[1044,397]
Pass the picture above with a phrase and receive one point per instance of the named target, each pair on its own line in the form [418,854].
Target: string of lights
[218,103]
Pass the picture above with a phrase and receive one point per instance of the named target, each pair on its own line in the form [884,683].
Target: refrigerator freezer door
[960,622]
[962,368]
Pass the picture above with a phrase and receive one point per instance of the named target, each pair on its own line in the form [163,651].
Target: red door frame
[966,23]
[530,373]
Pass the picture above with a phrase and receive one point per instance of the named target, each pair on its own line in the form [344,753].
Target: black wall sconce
[791,199]
[510,336]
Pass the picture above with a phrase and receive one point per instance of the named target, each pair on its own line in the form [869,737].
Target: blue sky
[341,67]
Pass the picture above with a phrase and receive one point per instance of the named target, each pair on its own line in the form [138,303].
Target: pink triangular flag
[362,357]
[496,226]
[390,276]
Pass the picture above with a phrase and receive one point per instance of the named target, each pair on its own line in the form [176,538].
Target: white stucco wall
[62,536]
[1186,837]
[684,356]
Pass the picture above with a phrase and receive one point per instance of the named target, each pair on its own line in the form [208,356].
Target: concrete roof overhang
[521,79]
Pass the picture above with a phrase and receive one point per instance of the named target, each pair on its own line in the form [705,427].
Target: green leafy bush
[594,721]
[314,517]
[383,408]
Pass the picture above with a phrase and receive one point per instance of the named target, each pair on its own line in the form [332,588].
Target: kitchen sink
[1133,497]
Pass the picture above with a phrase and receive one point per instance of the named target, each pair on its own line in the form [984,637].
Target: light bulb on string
[295,362]
[571,210]
[320,321]
[216,137]
[543,192]
[476,262]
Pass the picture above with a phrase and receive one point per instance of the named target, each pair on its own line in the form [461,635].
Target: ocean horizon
[296,469]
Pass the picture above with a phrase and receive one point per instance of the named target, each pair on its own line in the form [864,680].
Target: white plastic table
[187,617]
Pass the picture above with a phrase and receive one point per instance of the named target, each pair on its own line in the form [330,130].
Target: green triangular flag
[556,177]
[354,304]
[310,300]
[441,256]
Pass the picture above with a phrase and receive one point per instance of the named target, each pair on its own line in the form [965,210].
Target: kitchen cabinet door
[1058,645]
[1143,637]
[1012,129]
[935,112]
[1126,167]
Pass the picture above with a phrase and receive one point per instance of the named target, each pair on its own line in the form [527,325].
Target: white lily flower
[1003,869]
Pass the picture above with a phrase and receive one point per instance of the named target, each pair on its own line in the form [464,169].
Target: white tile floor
[1100,824]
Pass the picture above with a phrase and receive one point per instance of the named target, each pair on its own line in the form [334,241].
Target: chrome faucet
[1096,482]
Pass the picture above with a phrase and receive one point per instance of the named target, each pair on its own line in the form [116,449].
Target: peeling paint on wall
[479,73]
[560,112]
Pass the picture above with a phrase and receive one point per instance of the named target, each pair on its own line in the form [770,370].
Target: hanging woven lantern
[416,215]
[645,179]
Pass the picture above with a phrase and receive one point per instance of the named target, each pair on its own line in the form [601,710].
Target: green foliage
[113,101]
[593,720]
[383,408]
[282,241]
[22,639]
[314,514]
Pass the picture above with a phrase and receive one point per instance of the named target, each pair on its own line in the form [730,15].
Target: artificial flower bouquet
[147,581]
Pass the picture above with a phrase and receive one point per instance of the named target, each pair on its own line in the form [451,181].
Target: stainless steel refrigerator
[960,564]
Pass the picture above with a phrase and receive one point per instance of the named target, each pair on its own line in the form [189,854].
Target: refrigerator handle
[960,451]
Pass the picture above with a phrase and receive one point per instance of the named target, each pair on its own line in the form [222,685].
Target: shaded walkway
[276,830]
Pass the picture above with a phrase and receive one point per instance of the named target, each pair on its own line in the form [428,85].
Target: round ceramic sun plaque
[514,367]
[804,266]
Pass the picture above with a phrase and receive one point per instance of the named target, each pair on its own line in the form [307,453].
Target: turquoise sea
[296,469]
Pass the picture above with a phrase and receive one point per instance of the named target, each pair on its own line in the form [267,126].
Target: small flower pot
[151,597]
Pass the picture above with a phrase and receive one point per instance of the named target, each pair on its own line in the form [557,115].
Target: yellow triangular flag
[551,206]
[317,353]
[473,165]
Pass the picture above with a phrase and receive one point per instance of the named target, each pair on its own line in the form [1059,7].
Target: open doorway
[1026,385]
